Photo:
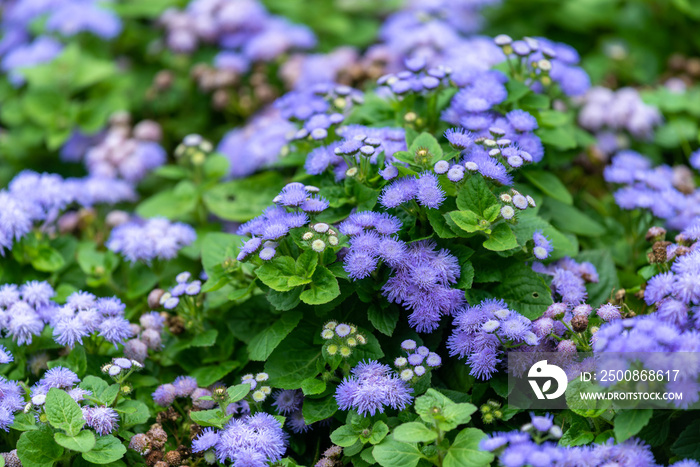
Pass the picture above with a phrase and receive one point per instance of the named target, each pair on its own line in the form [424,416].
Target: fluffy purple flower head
[115,330]
[206,440]
[104,420]
[371,388]
[58,377]
[164,395]
[184,386]
[522,120]
[287,401]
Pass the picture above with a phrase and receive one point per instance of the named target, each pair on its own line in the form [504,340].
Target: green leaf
[501,239]
[262,345]
[47,259]
[134,413]
[241,200]
[439,224]
[687,446]
[205,339]
[311,386]
[525,291]
[37,448]
[630,422]
[216,166]
[24,422]
[516,91]
[238,392]
[315,410]
[208,375]
[392,453]
[324,288]
[414,432]
[379,432]
[436,408]
[345,436]
[578,434]
[82,442]
[95,385]
[425,141]
[277,272]
[549,184]
[468,221]
[213,418]
[383,319]
[570,219]
[109,394]
[476,196]
[561,137]
[295,359]
[63,412]
[465,451]
[107,449]
[175,203]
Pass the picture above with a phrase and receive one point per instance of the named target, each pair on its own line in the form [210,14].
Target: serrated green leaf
[315,410]
[501,238]
[628,423]
[311,386]
[414,432]
[276,273]
[262,345]
[383,319]
[37,448]
[467,221]
[524,291]
[687,445]
[212,417]
[323,288]
[82,442]
[393,453]
[465,452]
[344,436]
[63,412]
[135,413]
[549,184]
[238,392]
[107,449]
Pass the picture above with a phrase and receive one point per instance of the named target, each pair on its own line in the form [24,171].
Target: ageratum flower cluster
[532,446]
[32,198]
[419,361]
[121,151]
[484,331]
[244,30]
[270,228]
[569,279]
[371,388]
[27,309]
[667,192]
[255,441]
[146,240]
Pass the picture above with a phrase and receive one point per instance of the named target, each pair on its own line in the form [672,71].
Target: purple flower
[5,355]
[371,388]
[398,192]
[164,395]
[543,246]
[115,330]
[184,386]
[156,238]
[37,293]
[69,331]
[522,120]
[104,420]
[287,401]
[459,137]
[58,377]
[254,440]
[429,192]
[206,440]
